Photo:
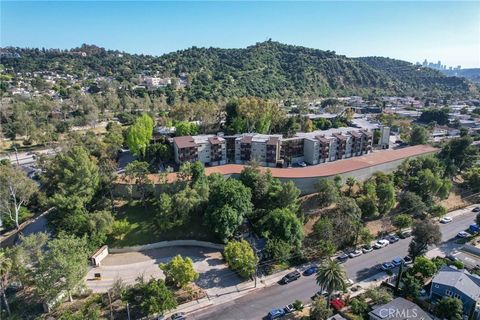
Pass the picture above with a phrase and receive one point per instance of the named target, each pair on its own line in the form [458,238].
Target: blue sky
[412,31]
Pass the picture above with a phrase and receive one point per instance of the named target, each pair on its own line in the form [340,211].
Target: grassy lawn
[144,230]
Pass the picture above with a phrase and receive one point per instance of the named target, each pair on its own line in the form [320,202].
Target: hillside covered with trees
[266,70]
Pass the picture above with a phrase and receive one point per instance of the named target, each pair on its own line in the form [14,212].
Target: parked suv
[292,276]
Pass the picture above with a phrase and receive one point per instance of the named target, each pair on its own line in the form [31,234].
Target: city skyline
[444,31]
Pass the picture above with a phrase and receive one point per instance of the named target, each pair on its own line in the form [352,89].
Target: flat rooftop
[321,170]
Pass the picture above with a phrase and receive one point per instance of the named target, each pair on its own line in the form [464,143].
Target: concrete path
[215,277]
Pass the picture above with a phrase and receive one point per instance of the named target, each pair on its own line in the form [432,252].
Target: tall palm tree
[331,277]
[351,181]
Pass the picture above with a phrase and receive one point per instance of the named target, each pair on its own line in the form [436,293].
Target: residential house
[398,309]
[460,284]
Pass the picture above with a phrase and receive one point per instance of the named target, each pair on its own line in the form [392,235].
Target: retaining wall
[165,244]
[306,184]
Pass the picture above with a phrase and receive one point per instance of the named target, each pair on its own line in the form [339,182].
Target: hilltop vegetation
[266,70]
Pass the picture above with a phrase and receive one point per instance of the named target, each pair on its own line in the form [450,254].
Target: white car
[355,253]
[463,234]
[446,220]
[381,244]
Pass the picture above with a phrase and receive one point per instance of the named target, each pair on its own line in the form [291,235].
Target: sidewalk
[242,289]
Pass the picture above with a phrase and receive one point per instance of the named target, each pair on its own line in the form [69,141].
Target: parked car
[355,253]
[408,260]
[473,228]
[397,261]
[276,313]
[405,234]
[476,209]
[452,258]
[392,238]
[311,270]
[289,308]
[342,258]
[292,276]
[463,234]
[381,244]
[302,164]
[319,294]
[367,248]
[178,316]
[387,266]
[446,220]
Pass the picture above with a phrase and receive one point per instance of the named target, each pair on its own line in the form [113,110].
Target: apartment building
[208,149]
[330,146]
[264,149]
[274,150]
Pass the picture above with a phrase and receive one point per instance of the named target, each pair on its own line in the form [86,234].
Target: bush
[359,307]
[298,305]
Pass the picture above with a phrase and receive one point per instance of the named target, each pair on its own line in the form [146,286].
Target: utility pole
[128,311]
[16,155]
[399,278]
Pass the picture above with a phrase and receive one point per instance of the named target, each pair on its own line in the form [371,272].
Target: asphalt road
[257,304]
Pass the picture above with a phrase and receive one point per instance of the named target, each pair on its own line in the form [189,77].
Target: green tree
[284,225]
[136,172]
[241,258]
[450,308]
[121,228]
[402,221]
[327,192]
[459,155]
[113,139]
[425,233]
[165,211]
[368,207]
[326,248]
[16,189]
[62,267]
[386,197]
[418,135]
[471,178]
[6,265]
[184,128]
[140,134]
[323,229]
[157,298]
[331,277]
[278,250]
[320,310]
[411,286]
[229,202]
[359,307]
[412,204]
[179,271]
[424,266]
[73,172]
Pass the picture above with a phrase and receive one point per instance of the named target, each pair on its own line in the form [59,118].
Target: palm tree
[331,277]
[351,181]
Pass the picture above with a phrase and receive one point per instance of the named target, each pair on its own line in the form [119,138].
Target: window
[448,293]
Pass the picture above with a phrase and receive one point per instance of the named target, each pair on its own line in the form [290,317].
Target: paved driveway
[215,277]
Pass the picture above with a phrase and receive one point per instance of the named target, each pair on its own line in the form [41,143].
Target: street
[257,304]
